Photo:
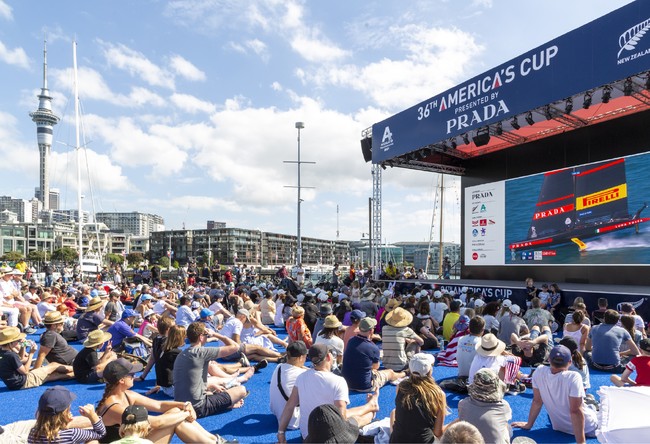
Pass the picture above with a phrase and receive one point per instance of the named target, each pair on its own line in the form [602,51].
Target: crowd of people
[357,338]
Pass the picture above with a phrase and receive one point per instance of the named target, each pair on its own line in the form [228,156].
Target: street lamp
[299,126]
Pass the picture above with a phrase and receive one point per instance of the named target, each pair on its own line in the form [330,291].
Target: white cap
[463,290]
[437,294]
[300,297]
[421,363]
[514,309]
[322,297]
[507,303]
[479,303]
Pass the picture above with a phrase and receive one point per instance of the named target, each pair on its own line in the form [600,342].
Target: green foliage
[163,262]
[12,256]
[38,256]
[115,259]
[175,264]
[65,254]
[134,259]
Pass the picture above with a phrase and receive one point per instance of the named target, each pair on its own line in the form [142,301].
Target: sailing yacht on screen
[579,203]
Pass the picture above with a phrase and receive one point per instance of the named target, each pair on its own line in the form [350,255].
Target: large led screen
[592,214]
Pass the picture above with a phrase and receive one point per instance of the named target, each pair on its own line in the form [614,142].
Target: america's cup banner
[608,49]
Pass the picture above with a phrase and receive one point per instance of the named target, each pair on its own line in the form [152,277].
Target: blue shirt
[120,330]
[359,356]
[606,340]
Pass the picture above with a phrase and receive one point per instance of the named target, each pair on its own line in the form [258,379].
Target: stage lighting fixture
[529,118]
[453,143]
[515,123]
[499,129]
[482,136]
[568,105]
[547,112]
[628,87]
[466,139]
[586,102]
[607,94]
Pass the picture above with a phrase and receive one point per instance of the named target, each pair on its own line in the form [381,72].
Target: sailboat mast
[78,148]
[442,207]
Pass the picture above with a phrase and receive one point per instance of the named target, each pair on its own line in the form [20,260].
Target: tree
[175,264]
[37,256]
[134,259]
[115,258]
[65,254]
[12,256]
[163,262]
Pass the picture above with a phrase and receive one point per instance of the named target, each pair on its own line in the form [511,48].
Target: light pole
[299,126]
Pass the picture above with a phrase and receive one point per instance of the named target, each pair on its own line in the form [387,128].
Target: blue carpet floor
[253,423]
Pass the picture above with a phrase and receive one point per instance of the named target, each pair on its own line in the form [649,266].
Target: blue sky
[189,106]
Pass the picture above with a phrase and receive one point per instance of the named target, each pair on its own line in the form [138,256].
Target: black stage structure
[577,106]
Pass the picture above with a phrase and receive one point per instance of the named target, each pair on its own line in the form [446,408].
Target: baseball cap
[644,344]
[129,313]
[356,315]
[243,311]
[317,353]
[367,324]
[559,355]
[506,303]
[116,370]
[134,414]
[421,363]
[146,297]
[55,400]
[515,309]
[206,312]
[296,349]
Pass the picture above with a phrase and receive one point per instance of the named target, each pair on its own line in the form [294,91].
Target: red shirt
[642,366]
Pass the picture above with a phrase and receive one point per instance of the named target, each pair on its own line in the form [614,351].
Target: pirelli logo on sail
[602,197]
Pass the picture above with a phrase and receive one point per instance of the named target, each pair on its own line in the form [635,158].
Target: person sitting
[361,361]
[135,426]
[604,343]
[447,357]
[577,330]
[89,364]
[267,308]
[164,324]
[537,315]
[511,323]
[420,404]
[53,418]
[562,393]
[485,407]
[327,424]
[16,356]
[283,380]
[123,329]
[53,346]
[490,354]
[450,319]
[466,349]
[533,348]
[176,417]
[234,329]
[92,319]
[318,386]
[578,363]
[184,315]
[330,335]
[191,370]
[399,341]
[639,364]
[598,316]
[461,432]
[297,328]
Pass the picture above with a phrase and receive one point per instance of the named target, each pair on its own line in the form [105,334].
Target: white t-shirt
[288,376]
[437,310]
[233,326]
[334,343]
[491,323]
[465,352]
[555,390]
[317,388]
[278,320]
[216,307]
[492,362]
[159,307]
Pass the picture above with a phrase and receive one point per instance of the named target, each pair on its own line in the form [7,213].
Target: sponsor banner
[484,222]
[608,49]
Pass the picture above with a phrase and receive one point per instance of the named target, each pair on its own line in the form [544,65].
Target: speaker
[366,148]
[482,137]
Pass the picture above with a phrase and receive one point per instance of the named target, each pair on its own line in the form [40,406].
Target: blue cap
[55,400]
[357,315]
[129,313]
[94,293]
[146,297]
[206,312]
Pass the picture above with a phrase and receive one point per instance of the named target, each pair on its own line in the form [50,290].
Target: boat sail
[580,203]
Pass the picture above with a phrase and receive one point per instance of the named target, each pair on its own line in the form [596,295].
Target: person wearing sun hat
[485,407]
[92,319]
[89,363]
[53,346]
[16,355]
[399,341]
[53,418]
[330,336]
[562,393]
[489,354]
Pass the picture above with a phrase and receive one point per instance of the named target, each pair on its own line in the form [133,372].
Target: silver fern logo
[630,38]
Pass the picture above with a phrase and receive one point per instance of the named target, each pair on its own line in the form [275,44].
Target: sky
[189,106]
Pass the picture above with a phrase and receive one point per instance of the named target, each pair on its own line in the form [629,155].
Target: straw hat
[399,317]
[11,334]
[53,317]
[391,304]
[94,304]
[490,346]
[96,338]
[331,321]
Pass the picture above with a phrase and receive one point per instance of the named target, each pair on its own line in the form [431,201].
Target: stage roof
[595,73]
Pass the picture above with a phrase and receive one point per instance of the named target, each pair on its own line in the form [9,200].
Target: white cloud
[186,69]
[5,11]
[137,64]
[201,203]
[16,57]
[259,48]
[191,104]
[482,4]
[315,49]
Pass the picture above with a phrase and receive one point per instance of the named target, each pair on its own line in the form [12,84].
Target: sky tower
[45,120]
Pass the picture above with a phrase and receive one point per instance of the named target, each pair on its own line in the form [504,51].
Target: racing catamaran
[580,203]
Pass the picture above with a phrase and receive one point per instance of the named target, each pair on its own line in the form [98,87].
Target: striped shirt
[394,346]
[71,436]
